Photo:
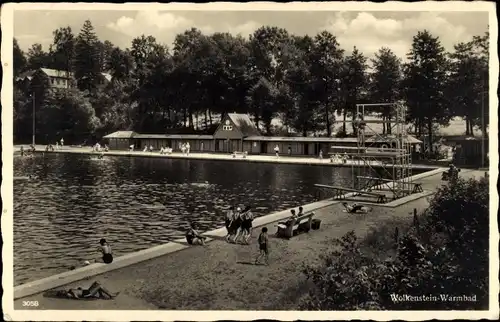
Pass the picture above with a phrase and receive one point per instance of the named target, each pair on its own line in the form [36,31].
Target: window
[227,128]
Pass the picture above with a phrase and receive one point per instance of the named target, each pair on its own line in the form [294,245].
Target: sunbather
[352,208]
[95,291]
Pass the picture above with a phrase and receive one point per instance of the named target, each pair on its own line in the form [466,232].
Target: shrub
[447,255]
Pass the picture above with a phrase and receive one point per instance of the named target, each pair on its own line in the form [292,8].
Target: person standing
[247,224]
[263,247]
[62,143]
[277,151]
[229,222]
[236,225]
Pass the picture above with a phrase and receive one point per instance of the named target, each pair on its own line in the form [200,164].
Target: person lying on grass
[354,208]
[193,237]
[95,291]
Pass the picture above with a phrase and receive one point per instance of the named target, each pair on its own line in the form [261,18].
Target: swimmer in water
[105,249]
[100,156]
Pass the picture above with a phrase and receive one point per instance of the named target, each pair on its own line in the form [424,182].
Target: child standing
[263,247]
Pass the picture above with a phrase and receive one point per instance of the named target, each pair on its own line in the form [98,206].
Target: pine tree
[87,59]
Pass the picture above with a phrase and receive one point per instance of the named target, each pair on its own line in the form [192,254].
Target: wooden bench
[417,187]
[286,229]
[242,154]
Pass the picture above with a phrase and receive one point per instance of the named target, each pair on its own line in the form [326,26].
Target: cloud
[150,23]
[369,33]
[244,29]
[165,26]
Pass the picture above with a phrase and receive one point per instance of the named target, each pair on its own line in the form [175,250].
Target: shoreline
[257,158]
[58,280]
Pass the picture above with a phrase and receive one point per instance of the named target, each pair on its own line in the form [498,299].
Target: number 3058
[30,303]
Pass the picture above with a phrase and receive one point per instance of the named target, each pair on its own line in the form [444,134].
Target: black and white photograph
[286,161]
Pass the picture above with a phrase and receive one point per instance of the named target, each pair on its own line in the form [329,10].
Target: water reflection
[136,203]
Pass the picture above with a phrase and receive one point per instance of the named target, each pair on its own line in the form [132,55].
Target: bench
[286,229]
[417,187]
[242,154]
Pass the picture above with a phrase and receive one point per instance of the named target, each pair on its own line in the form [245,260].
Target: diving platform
[340,192]
[417,187]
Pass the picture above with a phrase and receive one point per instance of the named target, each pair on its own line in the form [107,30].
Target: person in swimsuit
[95,290]
[105,248]
[263,247]
[193,237]
[236,225]
[229,221]
[352,208]
[246,224]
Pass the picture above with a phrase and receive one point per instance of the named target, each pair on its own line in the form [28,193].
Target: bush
[446,255]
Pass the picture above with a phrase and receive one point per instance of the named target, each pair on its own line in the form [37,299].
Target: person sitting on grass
[263,247]
[95,291]
[193,237]
[105,249]
[352,208]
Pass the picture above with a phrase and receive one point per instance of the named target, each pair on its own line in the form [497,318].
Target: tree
[63,49]
[87,68]
[425,83]
[37,58]
[481,44]
[326,71]
[298,78]
[19,59]
[354,84]
[464,84]
[120,64]
[385,82]
[69,114]
[262,99]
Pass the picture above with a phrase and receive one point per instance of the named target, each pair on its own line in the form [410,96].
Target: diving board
[21,178]
[381,198]
[374,154]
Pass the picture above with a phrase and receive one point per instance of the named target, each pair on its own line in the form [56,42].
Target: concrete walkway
[226,156]
[221,276]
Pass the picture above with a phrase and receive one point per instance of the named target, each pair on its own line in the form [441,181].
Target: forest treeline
[305,81]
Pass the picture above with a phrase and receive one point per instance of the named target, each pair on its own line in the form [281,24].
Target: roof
[299,139]
[56,73]
[174,136]
[244,124]
[390,137]
[28,74]
[121,135]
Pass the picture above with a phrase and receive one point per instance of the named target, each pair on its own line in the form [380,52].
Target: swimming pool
[136,203]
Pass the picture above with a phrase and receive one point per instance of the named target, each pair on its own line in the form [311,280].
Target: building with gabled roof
[237,132]
[58,79]
[232,130]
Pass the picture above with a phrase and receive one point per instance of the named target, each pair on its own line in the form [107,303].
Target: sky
[368,31]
